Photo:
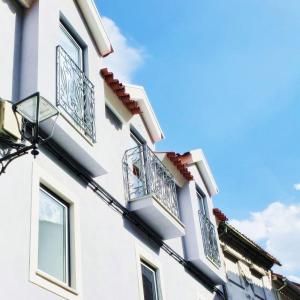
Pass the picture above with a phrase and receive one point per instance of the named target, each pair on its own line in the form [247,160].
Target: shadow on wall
[16,10]
[242,287]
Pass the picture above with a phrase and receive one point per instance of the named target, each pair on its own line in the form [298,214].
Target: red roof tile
[180,163]
[119,90]
[220,215]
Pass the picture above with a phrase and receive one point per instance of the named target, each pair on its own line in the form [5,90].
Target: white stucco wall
[108,255]
[10,33]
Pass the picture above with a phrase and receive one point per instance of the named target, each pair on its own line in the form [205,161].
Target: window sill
[56,282]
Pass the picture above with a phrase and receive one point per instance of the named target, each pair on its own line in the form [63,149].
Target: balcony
[151,192]
[209,239]
[74,132]
[75,94]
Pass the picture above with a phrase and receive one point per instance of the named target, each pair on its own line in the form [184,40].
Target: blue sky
[225,76]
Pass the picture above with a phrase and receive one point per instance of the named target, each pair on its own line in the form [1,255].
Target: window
[136,166]
[74,91]
[71,47]
[136,139]
[233,269]
[149,278]
[202,203]
[54,233]
[257,284]
[53,237]
[112,117]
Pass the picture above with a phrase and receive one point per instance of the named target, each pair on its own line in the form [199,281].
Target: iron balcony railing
[209,239]
[145,174]
[75,93]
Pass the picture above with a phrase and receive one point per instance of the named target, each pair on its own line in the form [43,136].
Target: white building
[248,266]
[98,214]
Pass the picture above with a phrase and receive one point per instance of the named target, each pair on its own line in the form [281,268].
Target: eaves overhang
[233,237]
[287,287]
[139,94]
[178,163]
[198,158]
[93,21]
[119,89]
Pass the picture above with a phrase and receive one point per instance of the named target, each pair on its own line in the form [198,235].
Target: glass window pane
[53,245]
[149,283]
[70,46]
[202,204]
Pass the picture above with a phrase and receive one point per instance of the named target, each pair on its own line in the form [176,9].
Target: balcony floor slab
[152,212]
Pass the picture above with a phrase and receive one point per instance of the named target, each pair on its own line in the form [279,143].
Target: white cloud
[297,186]
[125,59]
[294,278]
[278,227]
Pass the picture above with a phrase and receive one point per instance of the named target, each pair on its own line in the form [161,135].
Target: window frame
[67,248]
[151,260]
[113,118]
[255,274]
[55,180]
[229,256]
[136,137]
[199,194]
[75,42]
[154,271]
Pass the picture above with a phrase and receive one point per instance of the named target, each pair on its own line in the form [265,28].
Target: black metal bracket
[6,160]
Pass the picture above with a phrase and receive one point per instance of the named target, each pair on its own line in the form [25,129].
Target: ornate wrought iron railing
[145,174]
[209,238]
[75,93]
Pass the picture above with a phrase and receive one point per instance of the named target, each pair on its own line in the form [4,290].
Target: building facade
[98,213]
[247,265]
[284,288]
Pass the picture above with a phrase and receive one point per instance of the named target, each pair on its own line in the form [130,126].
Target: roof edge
[248,241]
[139,94]
[118,89]
[198,158]
[93,20]
[96,27]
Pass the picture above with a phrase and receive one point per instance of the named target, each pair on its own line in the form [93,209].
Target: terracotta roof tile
[119,90]
[220,215]
[180,163]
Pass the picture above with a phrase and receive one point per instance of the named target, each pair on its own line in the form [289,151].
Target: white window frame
[57,199]
[76,44]
[143,255]
[154,271]
[201,197]
[56,185]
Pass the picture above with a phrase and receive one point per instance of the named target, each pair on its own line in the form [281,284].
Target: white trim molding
[144,255]
[139,94]
[199,159]
[42,177]
[93,20]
